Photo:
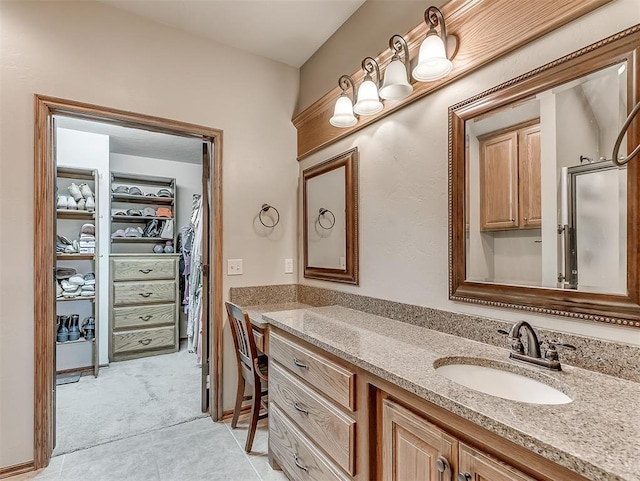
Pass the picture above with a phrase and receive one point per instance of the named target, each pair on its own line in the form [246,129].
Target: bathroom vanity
[358,396]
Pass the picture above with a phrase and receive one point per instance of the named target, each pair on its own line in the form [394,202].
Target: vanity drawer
[326,376]
[143,316]
[143,292]
[331,429]
[126,269]
[143,339]
[296,454]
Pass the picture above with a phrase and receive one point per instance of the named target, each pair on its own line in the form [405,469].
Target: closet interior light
[368,102]
[437,50]
[343,111]
[396,85]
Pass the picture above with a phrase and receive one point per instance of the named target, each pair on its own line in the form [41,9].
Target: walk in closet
[128,280]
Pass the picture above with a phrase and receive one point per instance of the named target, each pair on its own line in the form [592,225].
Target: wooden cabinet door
[529,183]
[477,466]
[411,447]
[499,182]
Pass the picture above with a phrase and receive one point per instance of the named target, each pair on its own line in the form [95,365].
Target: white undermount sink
[502,383]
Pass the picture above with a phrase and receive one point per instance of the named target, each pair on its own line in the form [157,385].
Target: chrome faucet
[532,352]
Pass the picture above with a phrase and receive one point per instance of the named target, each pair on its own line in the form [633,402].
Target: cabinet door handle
[300,409]
[442,465]
[145,294]
[464,477]
[299,464]
[145,318]
[145,271]
[299,364]
[145,342]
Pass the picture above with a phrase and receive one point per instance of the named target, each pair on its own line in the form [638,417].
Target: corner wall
[403,214]
[89,52]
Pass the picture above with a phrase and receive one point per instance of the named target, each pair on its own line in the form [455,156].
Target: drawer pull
[146,294]
[300,409]
[442,466]
[145,342]
[145,318]
[299,464]
[464,477]
[299,364]
[145,271]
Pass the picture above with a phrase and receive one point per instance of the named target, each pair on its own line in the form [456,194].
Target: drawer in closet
[125,269]
[143,339]
[300,459]
[331,429]
[326,376]
[143,316]
[143,292]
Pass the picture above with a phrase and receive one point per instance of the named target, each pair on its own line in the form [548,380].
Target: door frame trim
[44,232]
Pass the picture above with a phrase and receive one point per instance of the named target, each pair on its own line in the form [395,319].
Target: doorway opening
[128,219]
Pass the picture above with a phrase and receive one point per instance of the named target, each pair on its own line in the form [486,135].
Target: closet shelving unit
[144,289]
[75,219]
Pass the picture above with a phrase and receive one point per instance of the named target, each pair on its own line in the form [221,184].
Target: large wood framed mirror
[540,217]
[330,219]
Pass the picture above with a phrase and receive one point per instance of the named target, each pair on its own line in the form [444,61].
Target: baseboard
[229,413]
[79,370]
[16,469]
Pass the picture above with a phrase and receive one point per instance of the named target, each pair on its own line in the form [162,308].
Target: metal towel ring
[265,208]
[321,214]
[616,147]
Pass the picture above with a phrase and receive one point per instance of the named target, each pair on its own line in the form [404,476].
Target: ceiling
[138,142]
[288,31]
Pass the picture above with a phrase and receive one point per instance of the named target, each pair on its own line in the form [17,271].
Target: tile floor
[192,451]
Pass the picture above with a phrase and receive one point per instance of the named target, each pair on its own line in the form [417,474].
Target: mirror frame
[350,275]
[610,308]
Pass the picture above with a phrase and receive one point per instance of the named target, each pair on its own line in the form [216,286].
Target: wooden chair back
[246,351]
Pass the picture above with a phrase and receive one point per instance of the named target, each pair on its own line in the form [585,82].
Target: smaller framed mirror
[330,219]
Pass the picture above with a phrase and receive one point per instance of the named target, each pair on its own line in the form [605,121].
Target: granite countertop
[597,435]
[256,312]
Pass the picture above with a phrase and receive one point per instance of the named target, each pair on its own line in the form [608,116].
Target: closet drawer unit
[296,454]
[331,429]
[143,292]
[141,269]
[143,316]
[143,339]
[326,376]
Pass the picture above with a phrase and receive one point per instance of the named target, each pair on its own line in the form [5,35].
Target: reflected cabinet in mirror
[541,219]
[330,219]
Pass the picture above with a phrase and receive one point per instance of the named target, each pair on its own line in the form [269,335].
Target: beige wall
[365,33]
[403,182]
[90,52]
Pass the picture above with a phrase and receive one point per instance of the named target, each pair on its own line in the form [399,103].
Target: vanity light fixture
[343,111]
[437,50]
[396,84]
[368,102]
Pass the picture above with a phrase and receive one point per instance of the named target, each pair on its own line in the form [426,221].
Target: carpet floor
[128,398]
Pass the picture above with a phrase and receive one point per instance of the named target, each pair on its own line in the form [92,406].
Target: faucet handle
[552,353]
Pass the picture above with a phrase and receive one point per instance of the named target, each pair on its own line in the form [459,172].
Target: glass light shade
[368,101]
[343,113]
[433,63]
[396,86]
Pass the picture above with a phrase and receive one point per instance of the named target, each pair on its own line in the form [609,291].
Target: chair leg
[238,407]
[255,413]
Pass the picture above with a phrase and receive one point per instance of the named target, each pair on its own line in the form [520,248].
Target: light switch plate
[288,266]
[234,267]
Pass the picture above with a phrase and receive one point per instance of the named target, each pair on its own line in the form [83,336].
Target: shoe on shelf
[74,191]
[165,193]
[88,328]
[74,329]
[62,335]
[135,191]
[149,212]
[90,204]
[82,204]
[77,280]
[88,229]
[71,203]
[68,286]
[61,203]
[58,291]
[133,232]
[72,294]
[121,189]
[118,233]
[85,190]
[158,248]
[90,279]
